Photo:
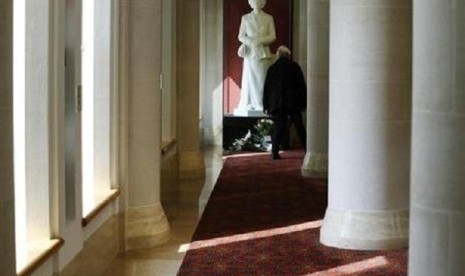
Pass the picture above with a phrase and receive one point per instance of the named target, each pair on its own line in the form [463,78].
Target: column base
[147,227]
[191,165]
[365,230]
[315,165]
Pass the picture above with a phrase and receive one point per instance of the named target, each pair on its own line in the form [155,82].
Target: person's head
[283,51]
[257,4]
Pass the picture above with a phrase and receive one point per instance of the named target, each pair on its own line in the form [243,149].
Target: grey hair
[283,51]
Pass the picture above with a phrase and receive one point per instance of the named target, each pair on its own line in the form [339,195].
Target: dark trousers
[280,126]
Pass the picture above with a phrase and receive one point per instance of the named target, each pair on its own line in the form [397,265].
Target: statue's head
[257,4]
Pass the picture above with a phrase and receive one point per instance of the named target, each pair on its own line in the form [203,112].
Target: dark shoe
[276,156]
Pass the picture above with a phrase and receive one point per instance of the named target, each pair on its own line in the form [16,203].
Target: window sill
[168,146]
[114,193]
[40,252]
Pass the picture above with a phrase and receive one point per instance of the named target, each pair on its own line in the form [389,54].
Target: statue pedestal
[242,112]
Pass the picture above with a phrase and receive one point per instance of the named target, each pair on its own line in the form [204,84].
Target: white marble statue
[256,32]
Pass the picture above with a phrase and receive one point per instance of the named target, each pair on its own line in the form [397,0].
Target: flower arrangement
[257,139]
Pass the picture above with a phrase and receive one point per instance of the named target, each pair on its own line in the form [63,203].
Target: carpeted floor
[263,218]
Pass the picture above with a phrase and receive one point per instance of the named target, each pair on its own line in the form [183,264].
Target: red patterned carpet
[263,218]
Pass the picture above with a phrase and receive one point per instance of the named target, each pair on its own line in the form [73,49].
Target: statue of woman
[256,32]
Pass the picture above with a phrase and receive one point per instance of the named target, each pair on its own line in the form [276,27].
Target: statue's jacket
[256,32]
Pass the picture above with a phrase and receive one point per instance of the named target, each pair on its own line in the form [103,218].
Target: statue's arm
[270,35]
[243,34]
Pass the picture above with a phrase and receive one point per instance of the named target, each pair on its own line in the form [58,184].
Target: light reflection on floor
[183,203]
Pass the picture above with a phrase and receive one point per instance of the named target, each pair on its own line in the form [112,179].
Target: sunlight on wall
[87,106]
[232,97]
[19,123]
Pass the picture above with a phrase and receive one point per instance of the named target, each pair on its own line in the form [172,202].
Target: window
[31,85]
[97,96]
[58,148]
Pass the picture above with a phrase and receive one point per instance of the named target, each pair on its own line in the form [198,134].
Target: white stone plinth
[147,227]
[315,165]
[191,165]
[365,230]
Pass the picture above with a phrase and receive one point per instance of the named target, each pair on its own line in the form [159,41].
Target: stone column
[147,225]
[299,33]
[168,104]
[437,226]
[188,77]
[211,71]
[7,208]
[316,159]
[369,124]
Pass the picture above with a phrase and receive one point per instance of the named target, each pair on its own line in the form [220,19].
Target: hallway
[105,104]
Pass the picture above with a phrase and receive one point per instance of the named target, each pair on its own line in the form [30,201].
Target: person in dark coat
[285,97]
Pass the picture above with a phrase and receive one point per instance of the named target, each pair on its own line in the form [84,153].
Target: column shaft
[369,125]
[316,160]
[211,72]
[299,33]
[437,225]
[188,78]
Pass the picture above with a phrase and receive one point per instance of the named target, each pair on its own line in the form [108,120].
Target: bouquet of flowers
[257,140]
